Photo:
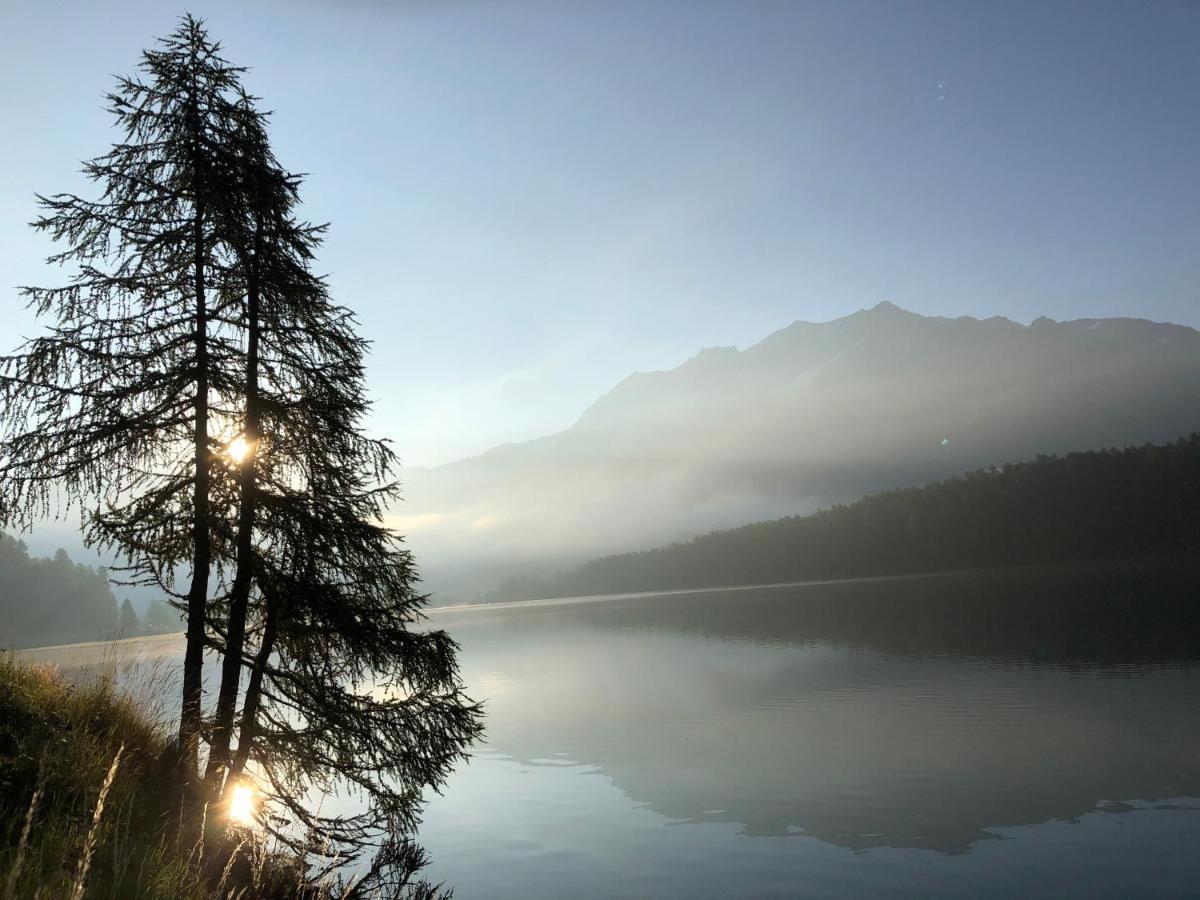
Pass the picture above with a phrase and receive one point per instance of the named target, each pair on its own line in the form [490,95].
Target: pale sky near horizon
[530,200]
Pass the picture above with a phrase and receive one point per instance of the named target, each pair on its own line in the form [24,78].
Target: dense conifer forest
[1101,505]
[52,600]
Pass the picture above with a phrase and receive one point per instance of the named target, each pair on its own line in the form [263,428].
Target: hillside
[57,601]
[1103,505]
[815,414]
[90,800]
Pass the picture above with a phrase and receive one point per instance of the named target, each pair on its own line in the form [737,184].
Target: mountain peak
[887,307]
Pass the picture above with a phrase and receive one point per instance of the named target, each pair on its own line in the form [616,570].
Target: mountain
[815,414]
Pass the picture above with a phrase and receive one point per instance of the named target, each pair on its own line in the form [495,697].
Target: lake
[1021,733]
[1029,732]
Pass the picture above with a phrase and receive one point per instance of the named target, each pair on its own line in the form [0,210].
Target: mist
[815,414]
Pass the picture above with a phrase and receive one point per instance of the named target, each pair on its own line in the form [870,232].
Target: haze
[533,200]
[797,405]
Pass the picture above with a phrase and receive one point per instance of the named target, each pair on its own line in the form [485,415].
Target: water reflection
[923,713]
[1018,733]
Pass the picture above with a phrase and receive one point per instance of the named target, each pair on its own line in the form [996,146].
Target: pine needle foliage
[111,408]
[192,325]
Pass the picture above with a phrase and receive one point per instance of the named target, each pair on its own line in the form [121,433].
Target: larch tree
[346,686]
[201,399]
[111,409]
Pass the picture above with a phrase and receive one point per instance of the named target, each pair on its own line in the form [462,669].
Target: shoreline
[90,653]
[159,646]
[674,592]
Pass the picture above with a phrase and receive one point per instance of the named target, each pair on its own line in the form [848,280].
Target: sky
[531,200]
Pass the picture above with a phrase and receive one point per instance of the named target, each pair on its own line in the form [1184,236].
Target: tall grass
[89,807]
[14,872]
[89,842]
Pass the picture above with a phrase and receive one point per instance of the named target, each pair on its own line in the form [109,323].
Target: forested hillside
[815,414]
[50,601]
[1108,504]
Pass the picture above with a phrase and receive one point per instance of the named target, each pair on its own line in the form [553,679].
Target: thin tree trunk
[197,603]
[246,733]
[239,597]
[193,660]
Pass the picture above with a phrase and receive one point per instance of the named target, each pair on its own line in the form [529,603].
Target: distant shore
[163,646]
[715,589]
[94,653]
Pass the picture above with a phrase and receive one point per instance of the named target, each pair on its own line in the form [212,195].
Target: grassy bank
[89,808]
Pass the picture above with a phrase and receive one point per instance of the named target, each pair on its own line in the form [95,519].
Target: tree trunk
[239,597]
[246,733]
[193,661]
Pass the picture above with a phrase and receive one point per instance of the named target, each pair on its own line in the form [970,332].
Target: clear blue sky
[532,199]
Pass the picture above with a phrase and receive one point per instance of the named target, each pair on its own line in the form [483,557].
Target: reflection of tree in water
[914,713]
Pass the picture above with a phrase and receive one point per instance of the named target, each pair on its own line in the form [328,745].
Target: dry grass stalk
[14,873]
[225,873]
[89,844]
[259,854]
[199,845]
[346,891]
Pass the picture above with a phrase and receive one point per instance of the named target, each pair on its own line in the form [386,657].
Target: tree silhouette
[323,588]
[127,619]
[112,407]
[201,398]
[342,672]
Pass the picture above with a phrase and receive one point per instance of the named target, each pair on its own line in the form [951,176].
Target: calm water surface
[1028,733]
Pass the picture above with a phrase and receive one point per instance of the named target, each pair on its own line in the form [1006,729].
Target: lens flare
[239,448]
[241,805]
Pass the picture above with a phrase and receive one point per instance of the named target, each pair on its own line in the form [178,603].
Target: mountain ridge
[883,315]
[812,414]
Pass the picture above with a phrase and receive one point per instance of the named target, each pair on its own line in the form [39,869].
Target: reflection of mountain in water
[913,713]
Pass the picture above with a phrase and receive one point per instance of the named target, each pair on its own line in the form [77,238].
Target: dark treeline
[56,601]
[1106,504]
[52,600]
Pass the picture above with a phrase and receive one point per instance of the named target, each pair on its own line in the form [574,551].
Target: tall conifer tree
[201,397]
[345,684]
[113,407]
